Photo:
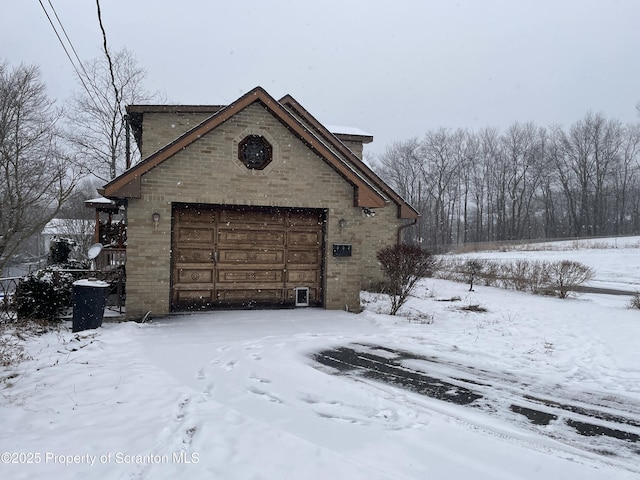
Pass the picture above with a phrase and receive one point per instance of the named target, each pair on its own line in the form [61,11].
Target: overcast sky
[395,69]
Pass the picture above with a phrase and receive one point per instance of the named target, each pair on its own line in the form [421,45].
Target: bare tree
[525,182]
[98,115]
[36,177]
[522,155]
[400,165]
[75,220]
[440,174]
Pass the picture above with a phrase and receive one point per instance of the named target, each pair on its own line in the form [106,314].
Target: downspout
[402,227]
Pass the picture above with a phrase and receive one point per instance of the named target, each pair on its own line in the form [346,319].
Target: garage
[252,204]
[237,256]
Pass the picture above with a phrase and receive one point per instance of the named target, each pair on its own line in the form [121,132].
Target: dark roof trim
[349,137]
[174,108]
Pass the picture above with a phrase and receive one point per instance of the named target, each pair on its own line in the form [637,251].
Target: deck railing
[111,258]
[8,286]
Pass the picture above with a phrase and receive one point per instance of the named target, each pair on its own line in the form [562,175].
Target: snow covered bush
[45,293]
[403,265]
[60,249]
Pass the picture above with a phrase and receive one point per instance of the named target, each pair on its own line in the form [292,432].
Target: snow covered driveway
[238,395]
[610,422]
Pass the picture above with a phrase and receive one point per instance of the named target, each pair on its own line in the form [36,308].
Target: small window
[255,152]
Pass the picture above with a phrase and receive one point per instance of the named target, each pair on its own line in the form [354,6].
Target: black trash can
[89,300]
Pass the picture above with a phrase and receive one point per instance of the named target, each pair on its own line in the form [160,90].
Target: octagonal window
[255,152]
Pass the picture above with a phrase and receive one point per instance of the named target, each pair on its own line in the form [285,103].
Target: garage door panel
[303,257]
[304,218]
[258,257]
[249,295]
[194,255]
[239,217]
[304,238]
[196,215]
[196,234]
[195,275]
[194,298]
[302,277]
[250,237]
[237,277]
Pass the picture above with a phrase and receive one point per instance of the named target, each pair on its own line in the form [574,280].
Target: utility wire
[55,30]
[91,95]
[106,52]
[68,39]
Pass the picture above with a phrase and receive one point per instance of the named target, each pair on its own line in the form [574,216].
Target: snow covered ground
[238,395]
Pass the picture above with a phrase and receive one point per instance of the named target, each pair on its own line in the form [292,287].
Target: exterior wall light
[342,223]
[156,219]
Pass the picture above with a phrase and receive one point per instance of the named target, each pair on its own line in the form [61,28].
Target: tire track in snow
[602,426]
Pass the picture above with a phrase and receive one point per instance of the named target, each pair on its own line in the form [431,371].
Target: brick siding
[209,172]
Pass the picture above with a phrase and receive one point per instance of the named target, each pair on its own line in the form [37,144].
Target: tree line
[526,182]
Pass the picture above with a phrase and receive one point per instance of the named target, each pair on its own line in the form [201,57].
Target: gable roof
[369,192]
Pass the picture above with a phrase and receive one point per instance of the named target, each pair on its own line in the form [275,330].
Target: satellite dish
[94,250]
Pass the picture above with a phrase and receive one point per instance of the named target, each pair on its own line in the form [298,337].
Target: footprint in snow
[314,400]
[188,434]
[260,380]
[182,406]
[262,393]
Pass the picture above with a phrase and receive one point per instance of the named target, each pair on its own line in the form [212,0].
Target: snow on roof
[68,226]
[347,131]
[104,200]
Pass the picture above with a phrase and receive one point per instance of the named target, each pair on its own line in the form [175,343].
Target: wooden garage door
[245,257]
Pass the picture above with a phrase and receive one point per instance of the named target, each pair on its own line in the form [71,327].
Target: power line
[67,37]
[55,30]
[92,95]
[106,52]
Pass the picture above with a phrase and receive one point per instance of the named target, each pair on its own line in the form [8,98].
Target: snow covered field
[238,395]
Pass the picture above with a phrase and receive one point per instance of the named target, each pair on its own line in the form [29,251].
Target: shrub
[45,293]
[634,303]
[404,265]
[519,271]
[566,275]
[60,249]
[538,276]
[11,352]
[558,278]
[473,269]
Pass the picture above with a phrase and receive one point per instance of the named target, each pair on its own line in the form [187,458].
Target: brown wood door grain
[244,257]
